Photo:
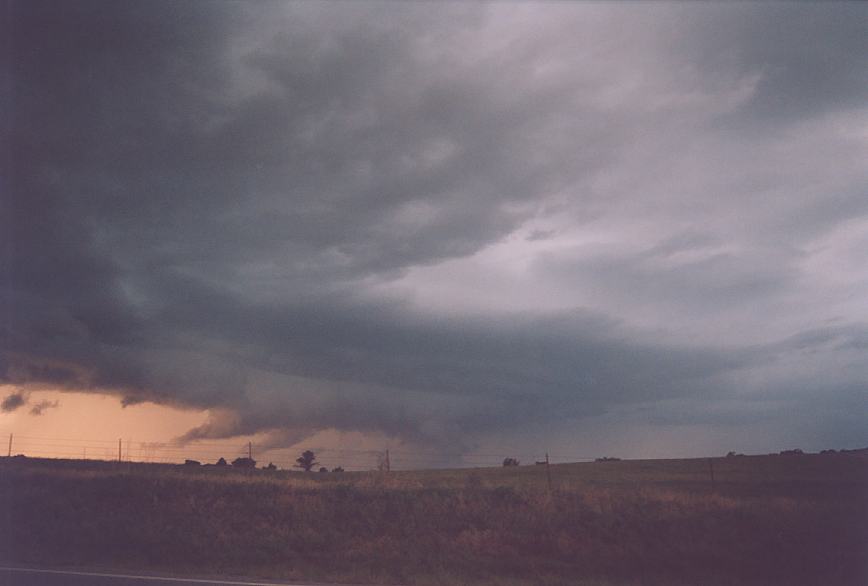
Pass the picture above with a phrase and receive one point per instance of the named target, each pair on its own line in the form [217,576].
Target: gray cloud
[799,80]
[13,401]
[42,406]
[245,206]
[688,276]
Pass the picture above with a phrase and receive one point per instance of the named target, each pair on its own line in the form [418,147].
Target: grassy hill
[797,519]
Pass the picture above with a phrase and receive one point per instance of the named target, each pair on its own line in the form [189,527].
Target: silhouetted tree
[307,461]
[323,469]
[337,469]
[510,462]
[270,466]
[222,462]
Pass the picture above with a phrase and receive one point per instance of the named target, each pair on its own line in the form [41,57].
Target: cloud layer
[440,222]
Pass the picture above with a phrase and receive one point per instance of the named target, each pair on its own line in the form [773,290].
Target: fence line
[131,450]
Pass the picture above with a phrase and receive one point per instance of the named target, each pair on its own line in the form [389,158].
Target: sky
[588,228]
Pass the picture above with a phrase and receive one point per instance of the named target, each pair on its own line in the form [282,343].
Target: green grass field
[799,519]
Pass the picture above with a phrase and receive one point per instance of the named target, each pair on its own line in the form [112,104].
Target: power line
[347,458]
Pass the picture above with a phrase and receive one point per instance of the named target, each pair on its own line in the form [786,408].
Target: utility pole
[548,472]
[250,450]
[388,462]
[9,454]
[119,449]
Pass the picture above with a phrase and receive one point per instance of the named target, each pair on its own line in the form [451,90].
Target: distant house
[244,463]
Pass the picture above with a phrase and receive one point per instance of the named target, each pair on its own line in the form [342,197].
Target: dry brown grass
[770,520]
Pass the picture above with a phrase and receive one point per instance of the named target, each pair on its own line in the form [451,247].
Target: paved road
[35,577]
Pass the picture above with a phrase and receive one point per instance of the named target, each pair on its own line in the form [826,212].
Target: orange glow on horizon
[96,416]
[89,425]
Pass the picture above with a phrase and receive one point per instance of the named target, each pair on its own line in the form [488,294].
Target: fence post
[9,454]
[548,472]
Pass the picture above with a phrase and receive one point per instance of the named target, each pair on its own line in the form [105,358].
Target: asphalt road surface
[37,577]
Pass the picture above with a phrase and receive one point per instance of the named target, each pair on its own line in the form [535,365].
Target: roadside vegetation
[784,519]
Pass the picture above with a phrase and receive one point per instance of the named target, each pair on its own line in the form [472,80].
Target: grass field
[800,519]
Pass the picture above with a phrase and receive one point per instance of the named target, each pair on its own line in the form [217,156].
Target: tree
[307,461]
[221,462]
[510,462]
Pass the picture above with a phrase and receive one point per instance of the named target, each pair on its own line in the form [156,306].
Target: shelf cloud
[439,222]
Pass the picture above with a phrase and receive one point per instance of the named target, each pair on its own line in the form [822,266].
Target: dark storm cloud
[205,197]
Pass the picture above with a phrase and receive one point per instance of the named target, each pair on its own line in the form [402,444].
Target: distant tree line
[307,462]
